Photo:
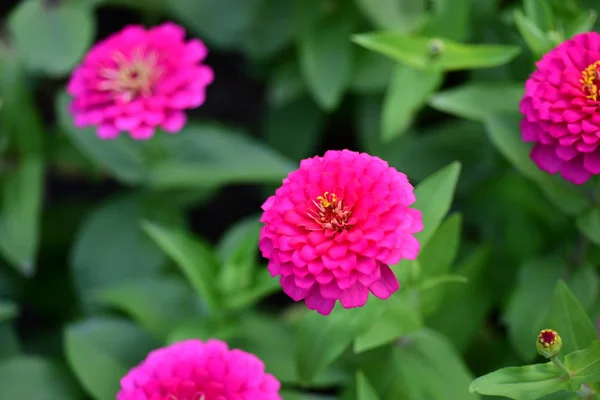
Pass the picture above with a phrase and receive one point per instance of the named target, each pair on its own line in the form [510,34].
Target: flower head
[137,80]
[193,370]
[335,225]
[560,106]
[548,343]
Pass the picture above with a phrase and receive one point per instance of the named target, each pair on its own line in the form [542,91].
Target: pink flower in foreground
[561,112]
[193,370]
[137,80]
[334,227]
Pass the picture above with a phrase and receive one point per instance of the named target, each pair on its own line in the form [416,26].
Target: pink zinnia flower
[193,370]
[137,80]
[334,227]
[561,109]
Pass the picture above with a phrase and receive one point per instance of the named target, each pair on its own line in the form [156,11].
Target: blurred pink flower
[193,370]
[560,106]
[334,227]
[137,80]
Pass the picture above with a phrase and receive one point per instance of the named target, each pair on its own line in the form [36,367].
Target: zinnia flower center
[330,212]
[131,77]
[590,79]
[547,337]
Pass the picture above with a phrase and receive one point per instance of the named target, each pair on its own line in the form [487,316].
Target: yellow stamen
[589,80]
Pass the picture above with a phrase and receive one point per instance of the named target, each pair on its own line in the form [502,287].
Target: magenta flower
[560,106]
[193,370]
[137,80]
[334,227]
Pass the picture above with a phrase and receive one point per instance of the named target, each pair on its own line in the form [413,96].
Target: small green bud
[548,343]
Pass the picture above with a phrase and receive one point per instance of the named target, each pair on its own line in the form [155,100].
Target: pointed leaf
[364,390]
[437,257]
[540,12]
[537,40]
[584,365]
[589,224]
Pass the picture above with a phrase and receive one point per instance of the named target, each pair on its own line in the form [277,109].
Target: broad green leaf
[588,223]
[157,304]
[504,132]
[325,57]
[585,284]
[398,318]
[535,284]
[418,52]
[51,37]
[437,257]
[583,23]
[111,248]
[372,72]
[101,350]
[295,140]
[584,365]
[195,259]
[271,28]
[204,328]
[478,100]
[450,19]
[406,94]
[364,390]
[570,320]
[207,155]
[8,310]
[33,377]
[431,291]
[434,197]
[10,346]
[20,213]
[537,40]
[397,15]
[540,12]
[521,383]
[322,339]
[285,83]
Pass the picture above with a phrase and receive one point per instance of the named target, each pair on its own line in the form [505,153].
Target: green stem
[561,366]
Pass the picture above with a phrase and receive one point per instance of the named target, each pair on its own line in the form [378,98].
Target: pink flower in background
[138,80]
[560,106]
[193,370]
[335,225]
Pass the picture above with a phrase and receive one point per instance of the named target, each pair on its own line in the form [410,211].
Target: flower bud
[548,343]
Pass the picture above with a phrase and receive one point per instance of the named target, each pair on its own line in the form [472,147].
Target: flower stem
[556,361]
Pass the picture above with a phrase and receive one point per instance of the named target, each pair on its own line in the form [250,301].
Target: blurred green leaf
[101,350]
[10,345]
[528,307]
[51,37]
[111,248]
[295,140]
[540,12]
[20,213]
[321,339]
[450,19]
[416,51]
[406,94]
[8,310]
[157,304]
[504,132]
[537,40]
[588,223]
[194,257]
[206,155]
[584,22]
[397,15]
[584,365]
[434,198]
[204,328]
[271,29]
[263,285]
[285,83]
[431,291]
[364,390]
[325,58]
[568,317]
[437,257]
[477,100]
[585,284]
[521,383]
[33,377]
[372,71]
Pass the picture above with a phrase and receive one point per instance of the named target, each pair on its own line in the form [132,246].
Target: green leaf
[584,22]
[194,257]
[271,28]
[437,257]
[207,155]
[431,291]
[263,285]
[33,377]
[321,339]
[416,51]
[10,345]
[584,365]
[570,320]
[537,40]
[8,310]
[51,38]
[434,197]
[585,284]
[129,255]
[505,134]
[325,57]
[540,12]
[285,83]
[397,15]
[21,212]
[372,72]
[157,304]
[588,223]
[477,100]
[364,390]
[450,19]
[521,383]
[406,94]
[535,284]
[101,350]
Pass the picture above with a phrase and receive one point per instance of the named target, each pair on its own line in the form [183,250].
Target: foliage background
[110,249]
